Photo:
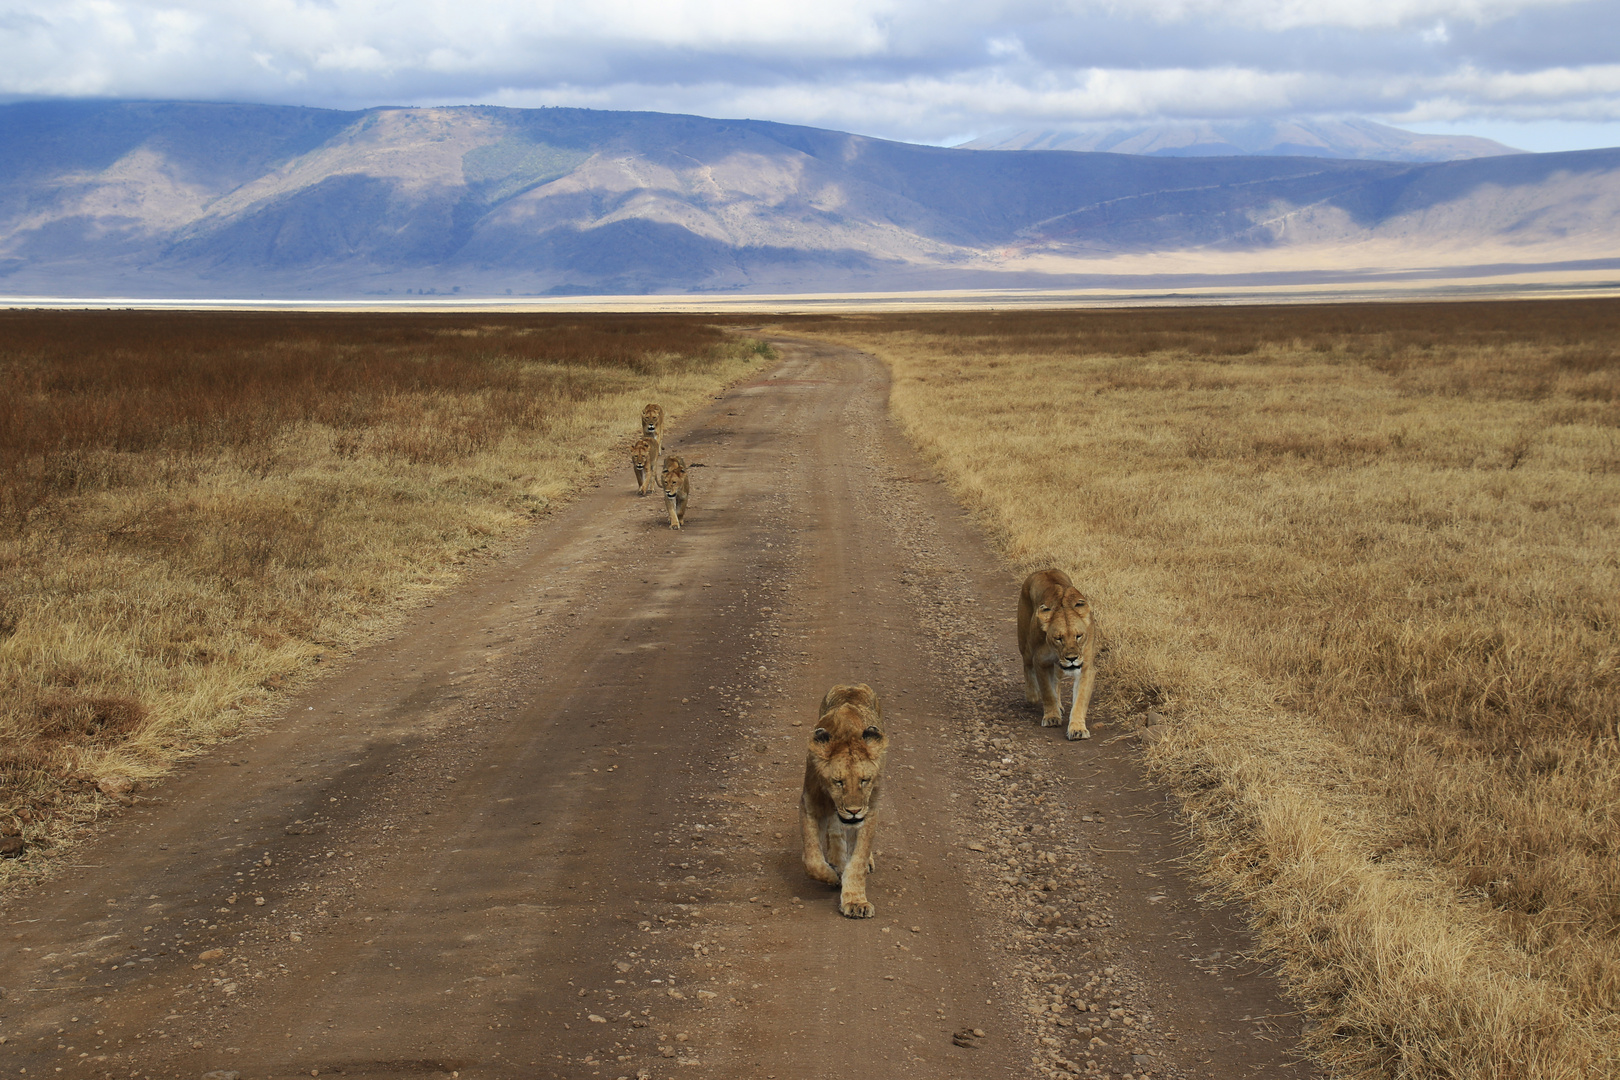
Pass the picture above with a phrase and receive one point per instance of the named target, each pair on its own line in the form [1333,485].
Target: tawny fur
[643,459]
[677,489]
[1057,637]
[652,421]
[843,775]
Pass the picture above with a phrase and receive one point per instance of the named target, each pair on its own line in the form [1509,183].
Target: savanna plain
[1361,558]
[1367,557]
[197,511]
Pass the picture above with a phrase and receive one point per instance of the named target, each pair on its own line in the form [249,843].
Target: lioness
[677,489]
[643,456]
[1057,636]
[652,421]
[842,776]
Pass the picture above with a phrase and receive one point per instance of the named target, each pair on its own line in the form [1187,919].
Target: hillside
[186,199]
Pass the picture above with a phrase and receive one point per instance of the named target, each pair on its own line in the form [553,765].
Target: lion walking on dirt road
[677,489]
[643,456]
[652,421]
[843,775]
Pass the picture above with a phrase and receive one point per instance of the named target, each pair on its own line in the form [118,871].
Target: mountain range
[195,199]
[1346,138]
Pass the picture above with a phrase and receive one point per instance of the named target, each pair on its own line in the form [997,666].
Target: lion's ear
[821,734]
[872,733]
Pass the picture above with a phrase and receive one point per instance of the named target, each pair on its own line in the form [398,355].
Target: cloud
[898,68]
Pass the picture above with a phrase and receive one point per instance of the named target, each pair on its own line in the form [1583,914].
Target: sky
[1536,74]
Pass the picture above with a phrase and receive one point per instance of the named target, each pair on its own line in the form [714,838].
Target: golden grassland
[197,510]
[1366,559]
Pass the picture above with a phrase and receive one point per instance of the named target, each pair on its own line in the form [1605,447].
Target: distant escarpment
[188,199]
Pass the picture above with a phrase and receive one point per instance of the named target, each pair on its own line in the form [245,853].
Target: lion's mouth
[1075,666]
[849,820]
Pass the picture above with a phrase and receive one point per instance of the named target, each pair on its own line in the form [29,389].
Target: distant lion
[643,456]
[652,421]
[677,489]
[1058,638]
[843,774]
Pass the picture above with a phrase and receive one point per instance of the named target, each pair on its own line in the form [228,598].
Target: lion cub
[842,776]
[643,456]
[677,489]
[1057,637]
[652,421]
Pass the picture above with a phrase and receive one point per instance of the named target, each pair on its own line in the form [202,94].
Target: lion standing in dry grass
[843,774]
[1058,638]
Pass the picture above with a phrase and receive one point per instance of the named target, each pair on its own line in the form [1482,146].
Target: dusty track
[550,829]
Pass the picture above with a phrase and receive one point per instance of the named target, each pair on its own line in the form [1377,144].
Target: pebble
[211,954]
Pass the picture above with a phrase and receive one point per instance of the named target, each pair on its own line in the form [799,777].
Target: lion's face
[674,474]
[641,455]
[1066,622]
[651,417]
[848,769]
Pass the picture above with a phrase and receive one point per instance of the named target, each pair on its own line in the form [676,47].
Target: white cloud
[1352,14]
[1436,34]
[898,68]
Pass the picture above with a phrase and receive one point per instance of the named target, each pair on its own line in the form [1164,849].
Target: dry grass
[197,510]
[1367,559]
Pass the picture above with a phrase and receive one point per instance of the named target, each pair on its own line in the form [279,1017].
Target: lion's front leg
[674,522]
[1032,688]
[852,899]
[1082,701]
[1051,696]
[815,861]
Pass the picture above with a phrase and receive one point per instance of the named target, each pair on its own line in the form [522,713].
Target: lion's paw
[857,909]
[1081,733]
[824,874]
[1051,721]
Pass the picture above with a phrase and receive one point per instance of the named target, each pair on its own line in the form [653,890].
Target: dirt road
[550,829]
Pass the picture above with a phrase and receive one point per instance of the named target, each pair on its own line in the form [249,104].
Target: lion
[677,489]
[843,776]
[652,421]
[643,456]
[1057,636]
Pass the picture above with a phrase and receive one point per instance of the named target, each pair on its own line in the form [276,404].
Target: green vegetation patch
[514,165]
